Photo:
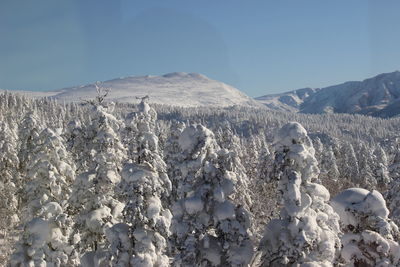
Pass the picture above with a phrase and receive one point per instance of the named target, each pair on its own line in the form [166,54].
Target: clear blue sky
[259,47]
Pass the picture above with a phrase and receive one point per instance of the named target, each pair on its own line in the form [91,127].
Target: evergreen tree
[9,193]
[348,164]
[28,131]
[209,230]
[174,157]
[381,169]
[330,175]
[146,188]
[263,190]
[366,177]
[369,236]
[392,195]
[307,232]
[93,200]
[47,237]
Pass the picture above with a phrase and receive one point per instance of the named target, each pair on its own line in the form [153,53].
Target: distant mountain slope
[378,96]
[179,89]
[288,101]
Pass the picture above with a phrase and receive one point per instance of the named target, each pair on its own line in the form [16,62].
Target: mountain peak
[175,74]
[176,88]
[185,75]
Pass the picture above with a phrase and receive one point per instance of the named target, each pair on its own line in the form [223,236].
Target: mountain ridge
[378,96]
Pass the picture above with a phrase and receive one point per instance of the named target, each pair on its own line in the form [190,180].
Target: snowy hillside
[288,101]
[378,96]
[178,89]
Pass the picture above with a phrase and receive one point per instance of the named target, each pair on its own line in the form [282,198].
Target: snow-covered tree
[264,166]
[263,190]
[369,236]
[392,195]
[319,148]
[307,232]
[9,180]
[209,230]
[366,178]
[381,169]
[330,174]
[394,167]
[28,131]
[51,172]
[173,157]
[356,143]
[348,164]
[47,237]
[230,161]
[76,140]
[145,188]
[93,200]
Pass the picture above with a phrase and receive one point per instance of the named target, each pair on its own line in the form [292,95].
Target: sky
[258,46]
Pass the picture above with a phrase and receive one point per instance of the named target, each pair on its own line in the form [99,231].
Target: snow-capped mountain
[178,89]
[378,96]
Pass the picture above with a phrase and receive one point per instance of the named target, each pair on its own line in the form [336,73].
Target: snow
[207,215]
[40,231]
[287,101]
[193,205]
[219,194]
[358,200]
[225,210]
[51,209]
[237,255]
[154,207]
[371,232]
[135,173]
[94,259]
[211,250]
[178,89]
[118,235]
[307,232]
[192,136]
[95,219]
[227,184]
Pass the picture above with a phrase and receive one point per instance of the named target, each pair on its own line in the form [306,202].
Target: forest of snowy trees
[105,184]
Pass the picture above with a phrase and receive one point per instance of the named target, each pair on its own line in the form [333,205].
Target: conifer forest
[98,183]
